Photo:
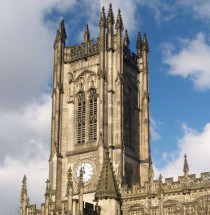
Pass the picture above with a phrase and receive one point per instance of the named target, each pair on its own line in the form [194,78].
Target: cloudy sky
[179,39]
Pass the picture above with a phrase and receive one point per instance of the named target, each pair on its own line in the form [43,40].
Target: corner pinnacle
[110,17]
[119,23]
[102,22]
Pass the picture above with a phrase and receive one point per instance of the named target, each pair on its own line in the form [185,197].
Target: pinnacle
[145,43]
[110,18]
[69,181]
[24,188]
[102,22]
[81,182]
[139,41]
[61,33]
[186,167]
[87,33]
[119,23]
[107,184]
[126,39]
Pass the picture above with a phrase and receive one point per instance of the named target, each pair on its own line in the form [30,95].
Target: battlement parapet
[82,51]
[190,183]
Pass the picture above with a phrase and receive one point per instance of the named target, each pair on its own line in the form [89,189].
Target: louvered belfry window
[93,115]
[81,118]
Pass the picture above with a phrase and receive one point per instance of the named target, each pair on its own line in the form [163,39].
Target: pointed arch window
[93,115]
[81,118]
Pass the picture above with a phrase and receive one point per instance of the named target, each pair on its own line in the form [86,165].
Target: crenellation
[77,52]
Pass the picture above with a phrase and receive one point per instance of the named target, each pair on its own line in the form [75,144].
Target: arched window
[93,115]
[81,118]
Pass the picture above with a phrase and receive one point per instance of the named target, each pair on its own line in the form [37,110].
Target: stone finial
[110,17]
[107,187]
[139,44]
[126,39]
[145,44]
[87,33]
[186,167]
[61,34]
[119,23]
[102,22]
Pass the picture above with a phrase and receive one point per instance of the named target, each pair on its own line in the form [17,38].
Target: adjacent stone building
[100,161]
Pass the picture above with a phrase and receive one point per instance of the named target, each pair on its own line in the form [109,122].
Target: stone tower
[100,161]
[100,102]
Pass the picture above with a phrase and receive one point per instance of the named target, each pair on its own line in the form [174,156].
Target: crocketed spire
[107,184]
[119,23]
[110,17]
[102,22]
[126,39]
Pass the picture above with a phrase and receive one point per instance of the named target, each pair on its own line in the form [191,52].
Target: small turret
[139,44]
[24,200]
[119,23]
[145,44]
[126,39]
[186,167]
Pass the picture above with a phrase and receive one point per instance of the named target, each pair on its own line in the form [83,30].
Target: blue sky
[179,65]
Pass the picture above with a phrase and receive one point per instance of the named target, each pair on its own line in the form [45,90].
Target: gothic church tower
[100,104]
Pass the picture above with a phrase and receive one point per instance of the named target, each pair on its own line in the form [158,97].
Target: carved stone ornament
[71,78]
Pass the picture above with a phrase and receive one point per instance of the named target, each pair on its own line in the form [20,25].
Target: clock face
[88,171]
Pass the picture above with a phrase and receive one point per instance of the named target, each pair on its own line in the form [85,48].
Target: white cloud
[154,129]
[197,147]
[199,9]
[191,62]
[24,143]
[11,180]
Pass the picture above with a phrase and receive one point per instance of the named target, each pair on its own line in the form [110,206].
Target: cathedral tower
[100,104]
